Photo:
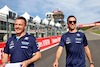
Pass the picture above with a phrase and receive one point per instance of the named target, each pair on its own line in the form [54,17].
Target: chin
[18,32]
[72,28]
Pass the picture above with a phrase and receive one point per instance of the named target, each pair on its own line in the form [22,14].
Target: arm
[58,54]
[4,59]
[88,53]
[33,59]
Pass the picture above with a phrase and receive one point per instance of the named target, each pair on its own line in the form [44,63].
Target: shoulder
[11,38]
[64,35]
[31,37]
[80,32]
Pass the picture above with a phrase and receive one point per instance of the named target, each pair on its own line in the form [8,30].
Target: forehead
[72,19]
[19,21]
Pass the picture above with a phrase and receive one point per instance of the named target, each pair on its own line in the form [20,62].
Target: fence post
[7,28]
[45,32]
[55,31]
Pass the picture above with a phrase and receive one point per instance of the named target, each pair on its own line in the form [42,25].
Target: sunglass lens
[74,21]
[70,22]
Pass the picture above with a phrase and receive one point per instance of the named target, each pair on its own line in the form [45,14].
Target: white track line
[48,47]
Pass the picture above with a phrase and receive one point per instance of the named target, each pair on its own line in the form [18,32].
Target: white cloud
[86,11]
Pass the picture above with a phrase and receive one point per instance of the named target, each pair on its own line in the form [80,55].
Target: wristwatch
[91,63]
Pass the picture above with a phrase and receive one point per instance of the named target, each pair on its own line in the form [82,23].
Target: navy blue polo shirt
[21,49]
[74,43]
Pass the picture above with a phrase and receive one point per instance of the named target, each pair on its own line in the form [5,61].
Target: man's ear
[76,23]
[67,23]
[25,26]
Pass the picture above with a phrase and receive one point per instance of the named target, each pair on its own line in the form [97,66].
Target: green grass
[98,31]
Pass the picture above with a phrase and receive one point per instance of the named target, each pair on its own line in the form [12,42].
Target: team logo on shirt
[78,34]
[26,38]
[25,43]
[11,45]
[68,40]
[78,40]
[24,47]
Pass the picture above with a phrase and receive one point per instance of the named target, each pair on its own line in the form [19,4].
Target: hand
[24,64]
[3,65]
[55,64]
[91,65]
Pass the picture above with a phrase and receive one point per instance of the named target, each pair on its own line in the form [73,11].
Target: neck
[73,30]
[19,35]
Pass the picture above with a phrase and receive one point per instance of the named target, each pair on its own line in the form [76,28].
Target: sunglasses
[72,21]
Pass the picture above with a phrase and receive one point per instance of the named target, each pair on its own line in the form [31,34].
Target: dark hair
[71,16]
[20,17]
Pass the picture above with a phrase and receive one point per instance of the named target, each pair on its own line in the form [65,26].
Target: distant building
[7,25]
[49,16]
[56,16]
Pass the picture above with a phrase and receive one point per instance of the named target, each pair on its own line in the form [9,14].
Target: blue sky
[86,11]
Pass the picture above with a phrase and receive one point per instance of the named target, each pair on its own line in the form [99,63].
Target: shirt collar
[21,37]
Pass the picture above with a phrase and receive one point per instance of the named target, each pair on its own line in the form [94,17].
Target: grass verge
[97,31]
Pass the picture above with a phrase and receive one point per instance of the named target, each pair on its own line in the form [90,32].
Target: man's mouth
[17,29]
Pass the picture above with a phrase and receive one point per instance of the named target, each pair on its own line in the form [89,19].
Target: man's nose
[17,25]
[72,22]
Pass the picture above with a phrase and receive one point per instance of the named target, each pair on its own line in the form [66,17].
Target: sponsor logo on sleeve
[37,44]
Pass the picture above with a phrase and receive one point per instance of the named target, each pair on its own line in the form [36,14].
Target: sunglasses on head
[72,21]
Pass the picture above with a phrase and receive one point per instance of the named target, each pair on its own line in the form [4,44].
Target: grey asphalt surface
[48,56]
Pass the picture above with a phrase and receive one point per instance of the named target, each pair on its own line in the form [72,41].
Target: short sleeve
[85,40]
[35,45]
[6,48]
[62,43]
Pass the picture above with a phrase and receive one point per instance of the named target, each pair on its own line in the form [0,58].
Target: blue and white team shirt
[21,49]
[74,43]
